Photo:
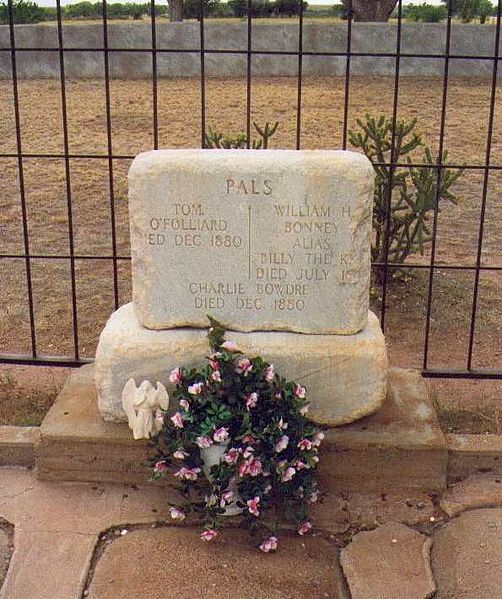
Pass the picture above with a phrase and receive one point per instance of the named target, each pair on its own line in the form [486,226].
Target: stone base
[399,447]
[345,375]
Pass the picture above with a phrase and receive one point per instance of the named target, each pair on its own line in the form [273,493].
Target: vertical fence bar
[347,75]
[109,143]
[64,115]
[491,118]
[300,74]
[22,191]
[392,168]
[155,116]
[438,186]
[202,76]
[248,72]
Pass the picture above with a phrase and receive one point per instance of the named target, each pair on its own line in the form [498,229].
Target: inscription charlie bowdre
[261,240]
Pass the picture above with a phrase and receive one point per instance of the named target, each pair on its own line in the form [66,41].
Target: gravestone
[273,243]
[261,241]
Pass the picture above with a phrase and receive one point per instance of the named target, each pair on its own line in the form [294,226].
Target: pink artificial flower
[177,513]
[269,373]
[243,366]
[184,404]
[267,489]
[299,465]
[160,467]
[176,376]
[226,498]
[195,389]
[269,544]
[300,391]
[304,528]
[318,438]
[288,474]
[243,469]
[282,425]
[278,395]
[255,467]
[177,420]
[187,473]
[304,411]
[281,444]
[253,506]
[209,535]
[304,444]
[180,454]
[251,400]
[229,346]
[216,376]
[220,435]
[249,439]
[213,361]
[204,442]
[248,452]
[232,455]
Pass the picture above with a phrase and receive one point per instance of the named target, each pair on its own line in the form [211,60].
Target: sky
[65,2]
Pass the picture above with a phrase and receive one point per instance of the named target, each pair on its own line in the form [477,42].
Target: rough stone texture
[416,38]
[173,562]
[477,491]
[17,445]
[399,447]
[468,454]
[5,552]
[390,562]
[261,240]
[345,375]
[57,526]
[466,556]
[350,512]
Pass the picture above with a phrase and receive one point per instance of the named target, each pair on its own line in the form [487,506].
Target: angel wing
[162,396]
[128,400]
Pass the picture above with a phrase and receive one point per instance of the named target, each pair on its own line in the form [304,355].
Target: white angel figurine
[141,403]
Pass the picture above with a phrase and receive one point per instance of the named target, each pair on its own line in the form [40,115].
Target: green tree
[23,11]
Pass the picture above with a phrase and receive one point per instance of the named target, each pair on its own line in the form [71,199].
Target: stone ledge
[399,447]
[468,454]
[17,445]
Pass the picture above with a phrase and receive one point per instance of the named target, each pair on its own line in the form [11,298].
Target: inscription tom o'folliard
[259,239]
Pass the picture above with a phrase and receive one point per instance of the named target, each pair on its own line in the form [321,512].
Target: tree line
[28,11]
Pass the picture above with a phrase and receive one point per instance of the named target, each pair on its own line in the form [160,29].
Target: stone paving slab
[467,556]
[390,562]
[173,563]
[476,491]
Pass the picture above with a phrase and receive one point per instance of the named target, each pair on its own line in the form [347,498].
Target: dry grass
[179,126]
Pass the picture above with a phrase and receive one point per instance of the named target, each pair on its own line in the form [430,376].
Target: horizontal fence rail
[300,53]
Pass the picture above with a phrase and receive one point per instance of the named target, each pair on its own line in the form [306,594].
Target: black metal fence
[469,371]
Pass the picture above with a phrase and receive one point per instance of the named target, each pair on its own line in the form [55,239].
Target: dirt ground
[179,120]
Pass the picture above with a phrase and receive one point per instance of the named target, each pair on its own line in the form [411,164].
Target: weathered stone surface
[345,375]
[468,454]
[466,556]
[477,491]
[260,240]
[390,562]
[400,446]
[17,445]
[173,562]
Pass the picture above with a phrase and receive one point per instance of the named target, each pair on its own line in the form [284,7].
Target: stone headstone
[258,239]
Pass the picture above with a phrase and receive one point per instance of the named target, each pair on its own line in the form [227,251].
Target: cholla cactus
[413,191]
[214,139]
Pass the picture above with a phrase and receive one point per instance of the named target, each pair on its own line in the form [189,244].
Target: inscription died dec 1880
[259,239]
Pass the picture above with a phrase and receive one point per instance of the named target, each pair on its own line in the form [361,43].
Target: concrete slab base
[400,446]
